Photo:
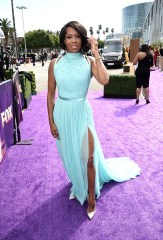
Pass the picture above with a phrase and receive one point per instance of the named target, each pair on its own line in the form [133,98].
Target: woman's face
[72,40]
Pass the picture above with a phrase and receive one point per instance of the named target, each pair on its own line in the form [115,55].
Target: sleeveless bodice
[72,74]
[145,62]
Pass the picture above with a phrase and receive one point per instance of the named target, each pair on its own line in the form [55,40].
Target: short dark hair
[81,30]
[145,48]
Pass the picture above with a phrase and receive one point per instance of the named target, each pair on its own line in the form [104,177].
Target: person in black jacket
[42,59]
[144,60]
[33,56]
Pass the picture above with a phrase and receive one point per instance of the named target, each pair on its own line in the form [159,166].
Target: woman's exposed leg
[91,173]
[146,90]
[138,90]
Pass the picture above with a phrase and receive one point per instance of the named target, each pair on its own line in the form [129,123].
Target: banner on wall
[6,116]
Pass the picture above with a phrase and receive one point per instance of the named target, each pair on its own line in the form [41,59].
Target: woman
[156,54]
[145,61]
[70,117]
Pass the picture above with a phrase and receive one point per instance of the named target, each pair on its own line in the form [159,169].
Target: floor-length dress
[73,117]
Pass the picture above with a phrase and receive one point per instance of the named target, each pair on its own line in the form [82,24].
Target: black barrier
[17,102]
[27,75]
[6,117]
[17,106]
[25,81]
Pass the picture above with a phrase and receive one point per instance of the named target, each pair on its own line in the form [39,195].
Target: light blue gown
[73,117]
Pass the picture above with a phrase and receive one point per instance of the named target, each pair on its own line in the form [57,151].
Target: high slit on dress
[73,117]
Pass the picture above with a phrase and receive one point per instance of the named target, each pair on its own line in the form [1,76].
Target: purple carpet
[34,188]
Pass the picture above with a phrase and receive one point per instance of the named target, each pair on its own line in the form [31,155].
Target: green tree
[107,30]
[57,32]
[56,41]
[158,44]
[98,32]
[41,39]
[6,26]
[100,43]
[99,29]
[104,33]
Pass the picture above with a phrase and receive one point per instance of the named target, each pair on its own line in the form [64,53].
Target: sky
[52,15]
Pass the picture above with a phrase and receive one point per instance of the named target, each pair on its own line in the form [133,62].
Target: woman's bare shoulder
[52,62]
[141,55]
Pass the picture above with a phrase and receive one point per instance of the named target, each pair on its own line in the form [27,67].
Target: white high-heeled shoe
[91,214]
[71,197]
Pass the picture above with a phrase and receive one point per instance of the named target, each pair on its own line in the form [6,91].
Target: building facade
[133,17]
[153,24]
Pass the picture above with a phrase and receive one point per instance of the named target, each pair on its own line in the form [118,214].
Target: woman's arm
[51,99]
[99,70]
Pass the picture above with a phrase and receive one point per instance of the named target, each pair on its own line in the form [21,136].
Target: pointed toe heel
[91,209]
[91,214]
[72,196]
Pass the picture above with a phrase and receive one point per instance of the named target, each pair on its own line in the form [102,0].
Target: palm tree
[11,36]
[91,30]
[107,30]
[99,29]
[112,31]
[5,25]
[104,33]
[57,32]
[13,19]
[98,32]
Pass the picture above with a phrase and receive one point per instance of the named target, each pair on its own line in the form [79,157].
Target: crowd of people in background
[8,60]
[155,51]
[43,57]
[39,57]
